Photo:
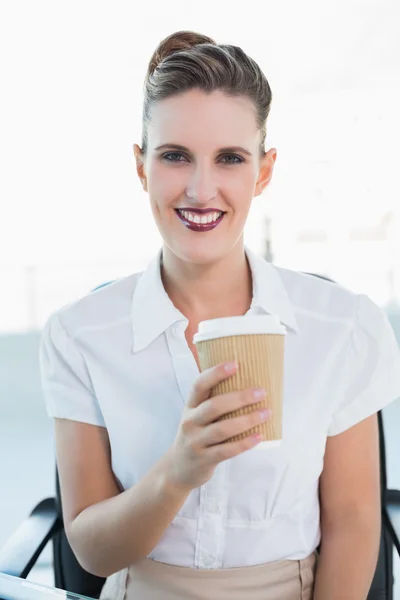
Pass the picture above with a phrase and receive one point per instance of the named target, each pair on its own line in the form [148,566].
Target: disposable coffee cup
[257,343]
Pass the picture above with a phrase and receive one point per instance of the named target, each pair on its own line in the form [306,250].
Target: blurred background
[74,215]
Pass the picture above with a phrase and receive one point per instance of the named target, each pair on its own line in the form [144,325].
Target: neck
[222,288]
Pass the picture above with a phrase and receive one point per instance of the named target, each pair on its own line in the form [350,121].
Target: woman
[154,498]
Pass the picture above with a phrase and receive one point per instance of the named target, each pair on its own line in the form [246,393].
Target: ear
[140,166]
[266,169]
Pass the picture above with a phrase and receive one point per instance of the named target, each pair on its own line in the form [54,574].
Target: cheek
[241,185]
[165,185]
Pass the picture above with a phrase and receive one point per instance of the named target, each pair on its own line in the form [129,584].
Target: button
[213,505]
[176,329]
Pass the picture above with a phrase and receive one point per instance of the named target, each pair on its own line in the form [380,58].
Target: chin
[200,254]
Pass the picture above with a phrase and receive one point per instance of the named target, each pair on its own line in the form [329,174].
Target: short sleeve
[65,380]
[372,370]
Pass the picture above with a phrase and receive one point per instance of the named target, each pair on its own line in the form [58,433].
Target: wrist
[170,484]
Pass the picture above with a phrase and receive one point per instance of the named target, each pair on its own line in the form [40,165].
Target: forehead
[205,119]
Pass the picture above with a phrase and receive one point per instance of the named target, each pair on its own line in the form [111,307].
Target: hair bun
[180,40]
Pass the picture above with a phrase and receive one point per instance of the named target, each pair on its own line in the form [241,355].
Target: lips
[184,215]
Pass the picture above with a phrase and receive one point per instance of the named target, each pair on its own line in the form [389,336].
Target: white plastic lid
[267,445]
[242,325]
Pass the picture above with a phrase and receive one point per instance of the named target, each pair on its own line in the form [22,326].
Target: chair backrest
[70,576]
[383,581]
[68,573]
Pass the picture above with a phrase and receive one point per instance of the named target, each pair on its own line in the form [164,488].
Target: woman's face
[200,182]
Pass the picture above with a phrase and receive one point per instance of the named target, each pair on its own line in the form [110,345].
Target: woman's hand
[199,445]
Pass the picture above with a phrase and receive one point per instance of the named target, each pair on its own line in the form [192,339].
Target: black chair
[45,524]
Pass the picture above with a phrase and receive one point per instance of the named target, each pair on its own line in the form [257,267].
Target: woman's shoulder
[103,305]
[318,294]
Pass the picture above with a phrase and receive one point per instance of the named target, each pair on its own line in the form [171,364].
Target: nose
[201,187]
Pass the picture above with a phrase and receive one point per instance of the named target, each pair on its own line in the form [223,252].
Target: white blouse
[118,358]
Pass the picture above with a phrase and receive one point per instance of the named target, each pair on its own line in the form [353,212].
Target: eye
[233,158]
[169,154]
[238,160]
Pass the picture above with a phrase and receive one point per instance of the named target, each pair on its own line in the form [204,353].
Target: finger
[221,431]
[213,408]
[209,379]
[220,452]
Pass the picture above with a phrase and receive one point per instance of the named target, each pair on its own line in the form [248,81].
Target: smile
[200,220]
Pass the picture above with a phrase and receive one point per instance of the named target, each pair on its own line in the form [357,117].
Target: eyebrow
[227,149]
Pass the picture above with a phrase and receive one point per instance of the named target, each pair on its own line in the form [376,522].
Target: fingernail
[259,393]
[265,414]
[231,366]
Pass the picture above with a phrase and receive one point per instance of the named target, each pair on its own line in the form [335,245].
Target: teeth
[200,219]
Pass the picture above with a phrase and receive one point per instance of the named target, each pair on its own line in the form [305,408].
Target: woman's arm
[347,562]
[107,529]
[350,514]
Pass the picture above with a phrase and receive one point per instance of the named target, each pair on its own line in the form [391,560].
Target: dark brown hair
[188,60]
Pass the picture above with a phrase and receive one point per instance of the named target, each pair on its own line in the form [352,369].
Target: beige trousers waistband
[152,580]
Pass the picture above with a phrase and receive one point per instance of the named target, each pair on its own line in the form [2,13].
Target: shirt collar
[153,311]
[269,292]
